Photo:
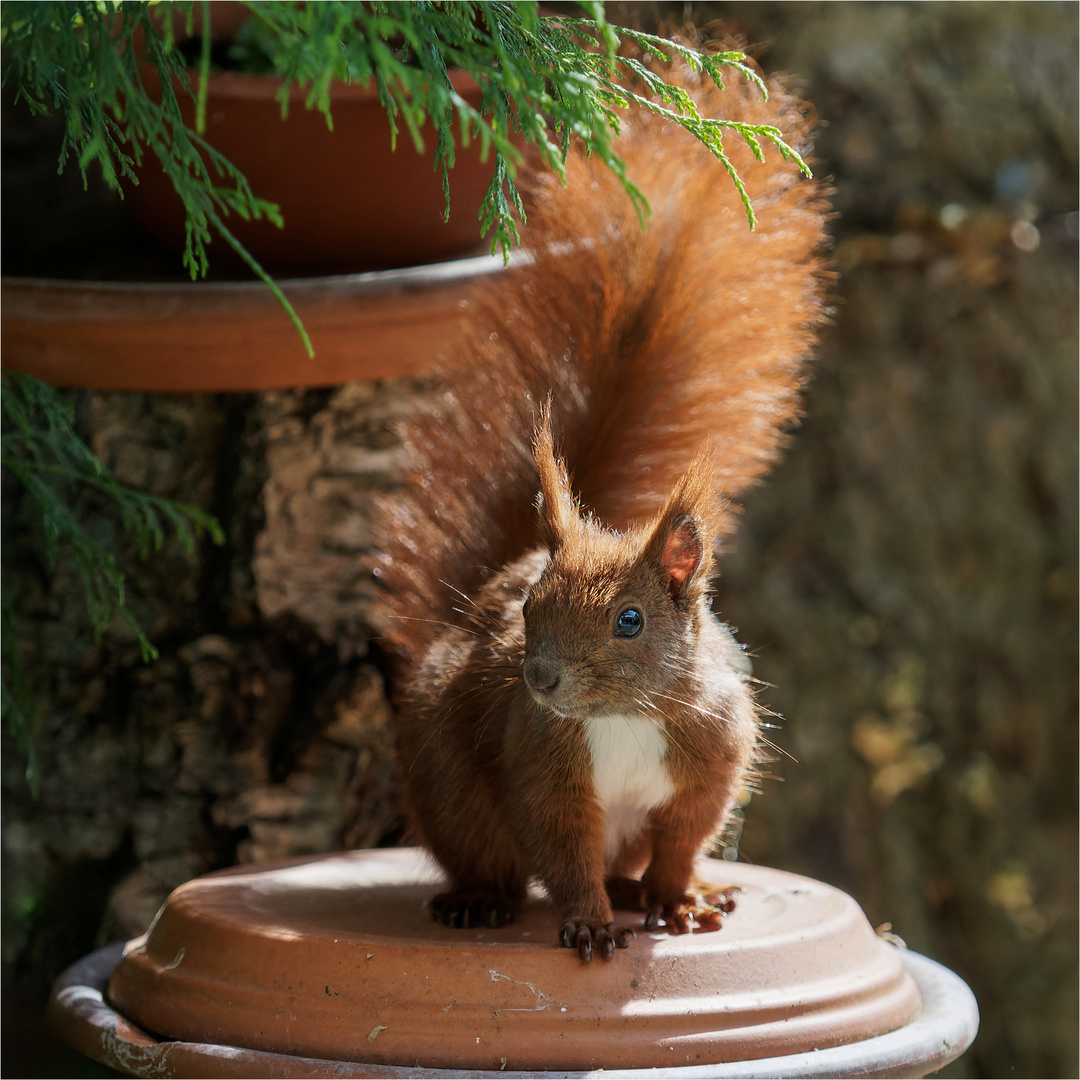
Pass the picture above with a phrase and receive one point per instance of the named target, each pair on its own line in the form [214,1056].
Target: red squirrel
[571,711]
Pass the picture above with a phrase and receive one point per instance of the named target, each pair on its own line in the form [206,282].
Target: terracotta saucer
[209,336]
[337,958]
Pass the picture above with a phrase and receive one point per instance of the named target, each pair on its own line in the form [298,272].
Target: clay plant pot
[333,967]
[349,200]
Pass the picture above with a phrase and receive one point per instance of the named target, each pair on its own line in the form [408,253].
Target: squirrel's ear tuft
[685,529]
[557,507]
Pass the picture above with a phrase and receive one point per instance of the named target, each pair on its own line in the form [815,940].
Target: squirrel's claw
[465,910]
[589,937]
[693,912]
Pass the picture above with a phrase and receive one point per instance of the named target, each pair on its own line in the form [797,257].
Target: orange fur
[646,345]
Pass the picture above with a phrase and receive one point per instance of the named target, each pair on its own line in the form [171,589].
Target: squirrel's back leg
[488,880]
[464,826]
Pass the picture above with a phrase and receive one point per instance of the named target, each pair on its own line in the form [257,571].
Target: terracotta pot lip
[224,86]
[428,274]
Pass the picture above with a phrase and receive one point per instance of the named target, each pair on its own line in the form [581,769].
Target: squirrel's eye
[629,623]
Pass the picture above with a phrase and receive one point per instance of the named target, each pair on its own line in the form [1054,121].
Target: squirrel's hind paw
[696,911]
[468,909]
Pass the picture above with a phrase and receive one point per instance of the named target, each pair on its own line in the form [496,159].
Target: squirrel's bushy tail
[649,342]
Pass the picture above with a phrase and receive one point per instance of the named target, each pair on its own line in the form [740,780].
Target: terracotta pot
[349,201]
[332,966]
[234,335]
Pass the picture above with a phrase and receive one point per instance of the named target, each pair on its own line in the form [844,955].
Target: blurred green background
[906,579]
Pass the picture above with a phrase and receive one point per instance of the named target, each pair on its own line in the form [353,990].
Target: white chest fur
[630,774]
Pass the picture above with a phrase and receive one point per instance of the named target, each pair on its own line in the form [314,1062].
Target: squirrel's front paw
[695,911]
[592,936]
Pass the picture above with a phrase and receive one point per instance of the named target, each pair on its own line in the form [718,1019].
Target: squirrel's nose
[541,675]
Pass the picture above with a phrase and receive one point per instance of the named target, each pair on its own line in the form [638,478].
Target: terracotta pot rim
[363,281]
[247,86]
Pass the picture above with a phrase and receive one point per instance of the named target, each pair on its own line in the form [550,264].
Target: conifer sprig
[542,79]
[40,447]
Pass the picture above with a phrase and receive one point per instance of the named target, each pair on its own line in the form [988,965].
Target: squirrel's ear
[677,549]
[684,528]
[555,502]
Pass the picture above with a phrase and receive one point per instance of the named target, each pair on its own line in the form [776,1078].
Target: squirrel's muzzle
[541,677]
